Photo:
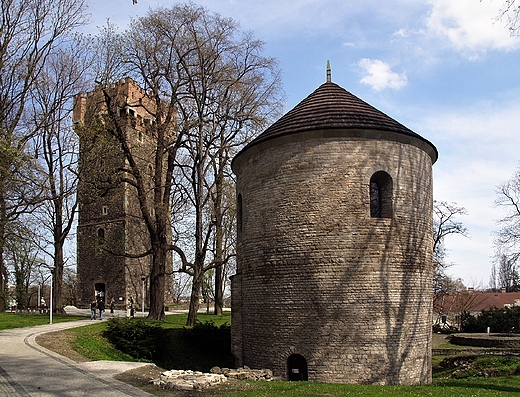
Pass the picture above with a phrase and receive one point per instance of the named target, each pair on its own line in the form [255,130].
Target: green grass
[90,343]
[179,320]
[16,320]
[175,354]
[497,387]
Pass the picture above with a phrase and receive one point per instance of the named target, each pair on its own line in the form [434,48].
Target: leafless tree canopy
[507,237]
[445,224]
[31,30]
[213,89]
[510,13]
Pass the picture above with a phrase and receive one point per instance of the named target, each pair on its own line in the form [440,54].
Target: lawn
[16,320]
[449,380]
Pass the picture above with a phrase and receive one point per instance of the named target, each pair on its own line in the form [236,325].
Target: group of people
[99,305]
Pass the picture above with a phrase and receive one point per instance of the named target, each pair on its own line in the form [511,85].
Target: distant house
[447,309]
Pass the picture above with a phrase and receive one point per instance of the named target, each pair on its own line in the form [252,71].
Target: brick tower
[334,246]
[110,222]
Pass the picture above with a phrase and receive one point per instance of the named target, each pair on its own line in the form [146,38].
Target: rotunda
[334,254]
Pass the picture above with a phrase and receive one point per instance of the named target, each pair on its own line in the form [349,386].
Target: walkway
[29,370]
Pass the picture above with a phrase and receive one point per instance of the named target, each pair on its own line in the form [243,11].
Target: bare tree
[205,78]
[507,239]
[69,291]
[30,31]
[224,90]
[444,224]
[56,145]
[22,257]
[510,11]
[507,274]
[224,245]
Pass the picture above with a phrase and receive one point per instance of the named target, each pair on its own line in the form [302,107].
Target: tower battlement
[130,100]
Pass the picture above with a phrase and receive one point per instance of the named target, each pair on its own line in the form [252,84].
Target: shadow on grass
[181,351]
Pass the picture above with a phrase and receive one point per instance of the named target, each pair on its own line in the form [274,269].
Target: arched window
[239,213]
[101,235]
[381,195]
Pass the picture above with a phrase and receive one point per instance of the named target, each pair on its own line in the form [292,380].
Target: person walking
[101,308]
[131,306]
[93,306]
[112,305]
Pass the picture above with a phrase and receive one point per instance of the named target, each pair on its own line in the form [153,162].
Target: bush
[135,337]
[505,320]
[209,338]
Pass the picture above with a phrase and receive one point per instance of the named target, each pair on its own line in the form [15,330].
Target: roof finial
[329,73]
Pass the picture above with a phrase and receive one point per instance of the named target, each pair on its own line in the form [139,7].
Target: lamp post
[143,279]
[51,268]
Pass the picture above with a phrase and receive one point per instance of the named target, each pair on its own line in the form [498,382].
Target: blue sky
[444,68]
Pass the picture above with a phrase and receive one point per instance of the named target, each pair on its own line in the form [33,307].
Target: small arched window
[381,195]
[101,235]
[239,213]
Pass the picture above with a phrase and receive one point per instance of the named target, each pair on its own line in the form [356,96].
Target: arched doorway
[100,291]
[297,368]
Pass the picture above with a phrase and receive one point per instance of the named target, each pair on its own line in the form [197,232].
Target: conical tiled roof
[332,107]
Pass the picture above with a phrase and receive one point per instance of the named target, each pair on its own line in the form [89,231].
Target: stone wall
[318,277]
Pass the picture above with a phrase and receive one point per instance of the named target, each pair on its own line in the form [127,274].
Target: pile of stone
[244,373]
[194,380]
[187,380]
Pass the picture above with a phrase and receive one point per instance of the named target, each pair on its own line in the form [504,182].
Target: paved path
[29,370]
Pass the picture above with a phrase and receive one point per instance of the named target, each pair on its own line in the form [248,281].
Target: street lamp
[143,279]
[51,268]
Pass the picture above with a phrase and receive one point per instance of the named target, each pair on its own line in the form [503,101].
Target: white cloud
[470,24]
[380,76]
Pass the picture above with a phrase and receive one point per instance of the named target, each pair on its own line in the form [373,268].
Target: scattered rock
[185,380]
[490,373]
[244,373]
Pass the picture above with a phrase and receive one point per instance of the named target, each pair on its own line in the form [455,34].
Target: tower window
[101,235]
[104,210]
[381,195]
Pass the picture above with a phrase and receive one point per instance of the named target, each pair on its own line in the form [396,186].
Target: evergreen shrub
[135,337]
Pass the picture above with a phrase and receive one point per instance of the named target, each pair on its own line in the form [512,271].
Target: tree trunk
[3,270]
[57,291]
[219,293]
[157,280]
[195,296]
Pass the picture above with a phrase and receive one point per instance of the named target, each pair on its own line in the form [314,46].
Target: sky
[446,69]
